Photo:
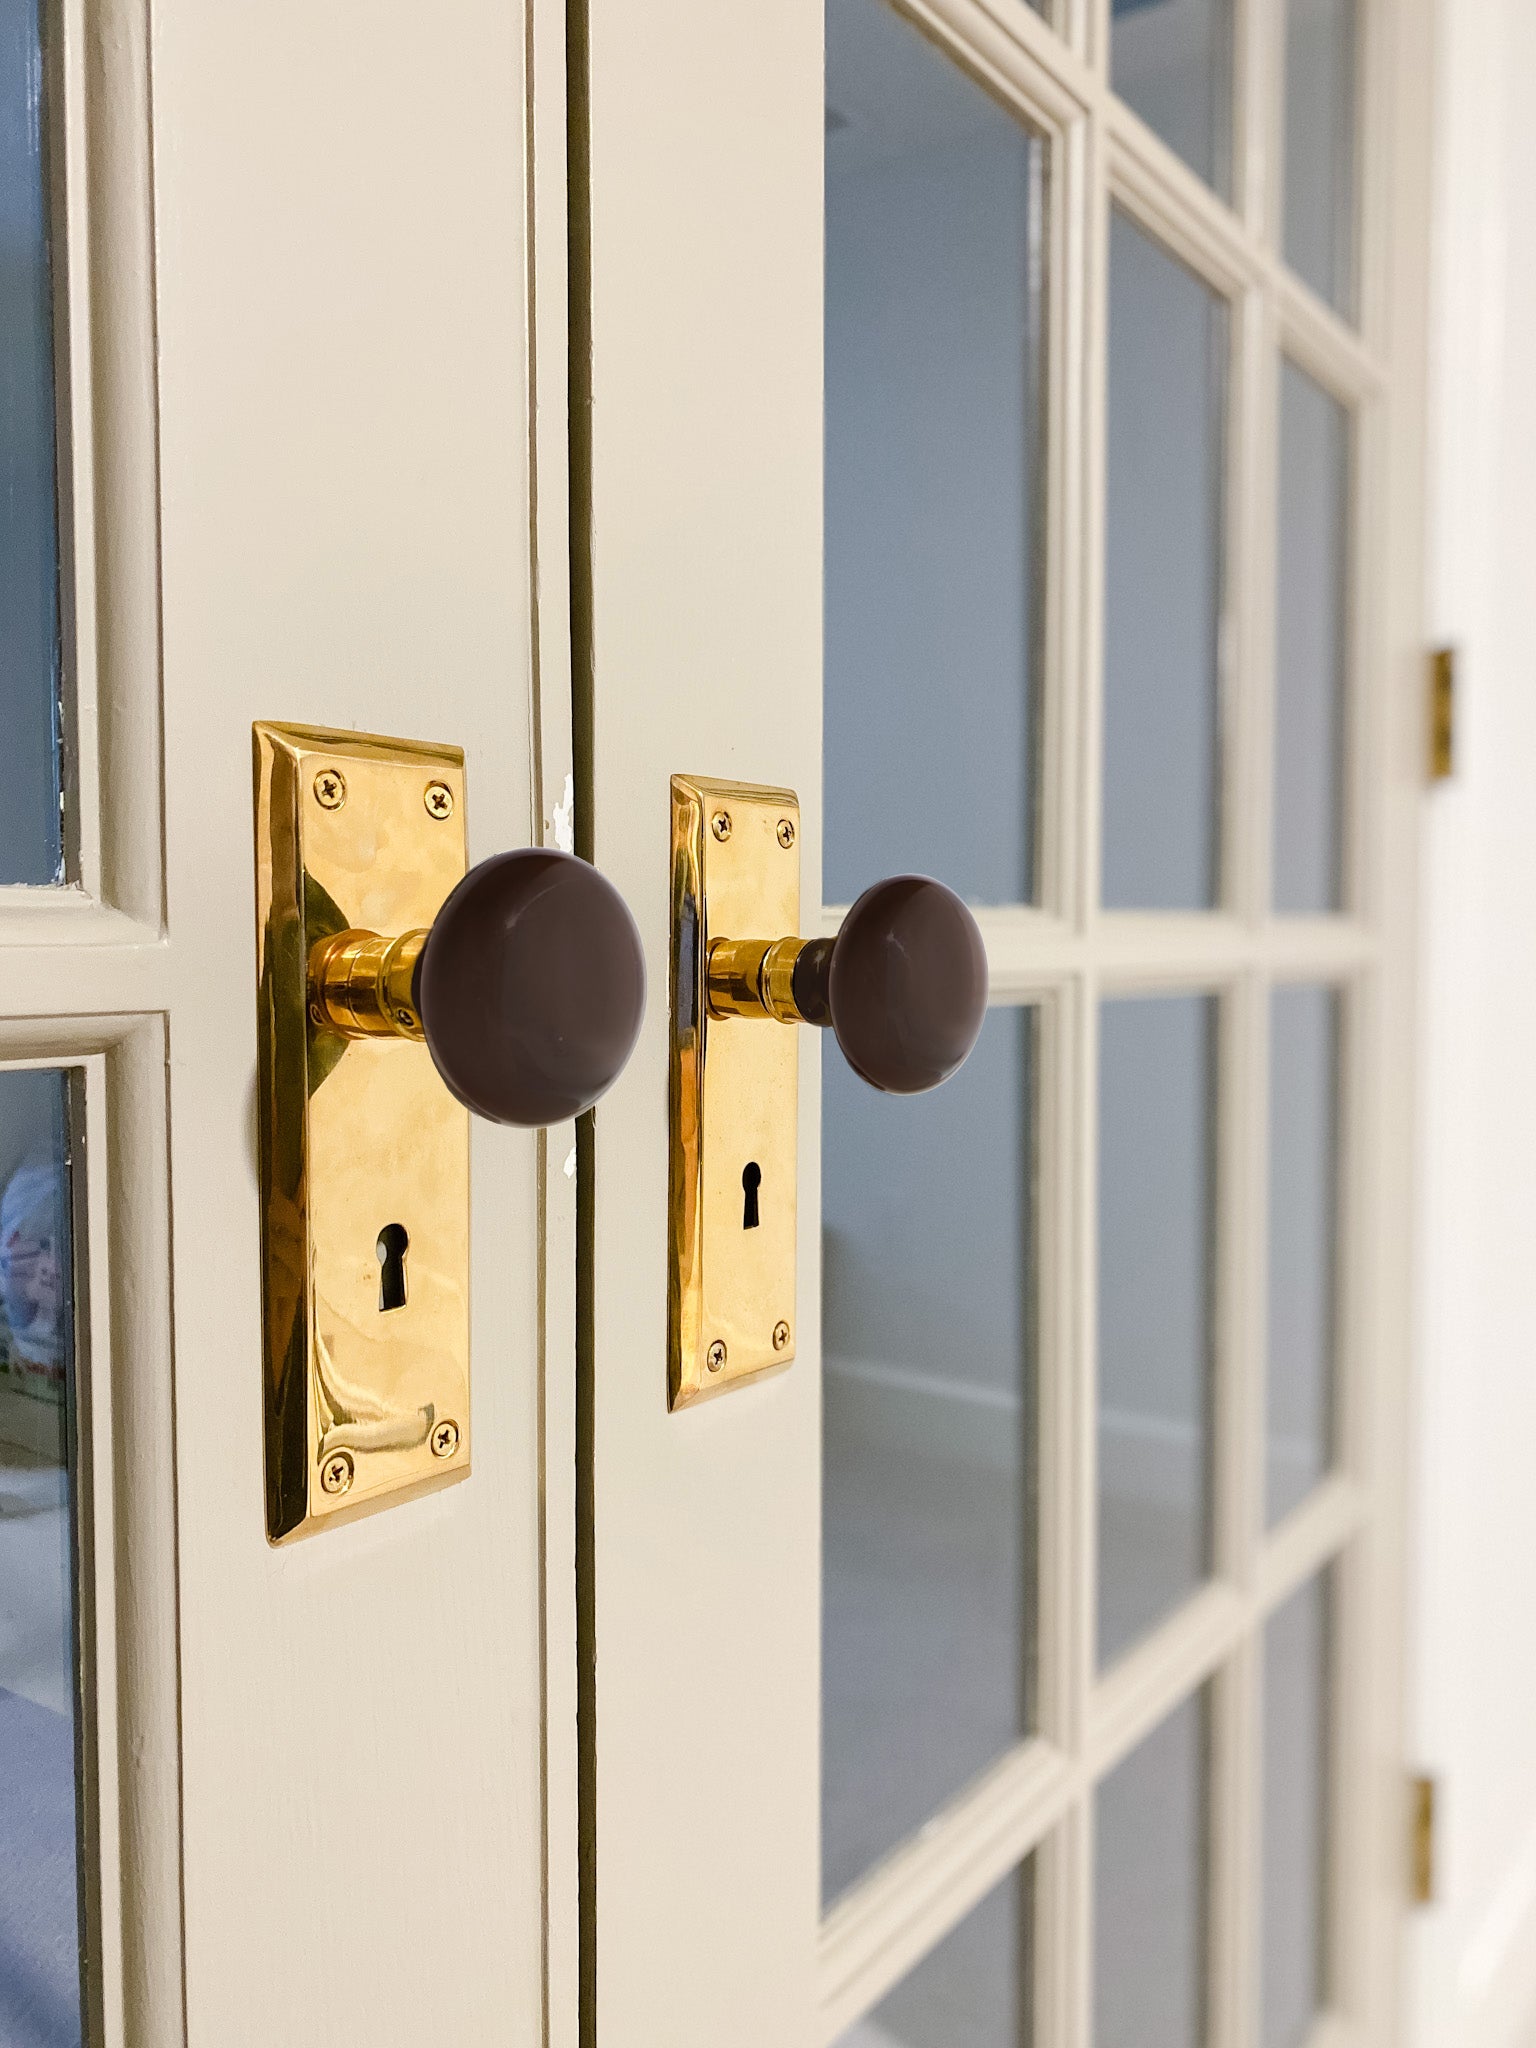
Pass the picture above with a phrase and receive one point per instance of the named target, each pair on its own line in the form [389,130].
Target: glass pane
[973,1990]
[929,1478]
[1171,60]
[31,832]
[1303,1210]
[1149,1890]
[1310,648]
[933,359]
[1163,579]
[1156,1146]
[1296,1801]
[1320,147]
[40,1949]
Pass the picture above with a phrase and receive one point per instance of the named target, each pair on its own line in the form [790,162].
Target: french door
[1000,431]
[270,449]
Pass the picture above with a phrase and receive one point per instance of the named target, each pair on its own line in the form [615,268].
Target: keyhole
[751,1181]
[394,1243]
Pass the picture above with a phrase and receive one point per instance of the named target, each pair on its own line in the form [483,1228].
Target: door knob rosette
[902,987]
[385,971]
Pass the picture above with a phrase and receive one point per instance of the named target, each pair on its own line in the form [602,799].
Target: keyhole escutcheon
[751,1181]
[394,1243]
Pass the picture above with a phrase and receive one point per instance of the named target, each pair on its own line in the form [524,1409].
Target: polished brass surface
[361,984]
[357,1131]
[734,1085]
[1442,714]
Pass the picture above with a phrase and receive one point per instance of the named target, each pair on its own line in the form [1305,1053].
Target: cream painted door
[1001,427]
[270,449]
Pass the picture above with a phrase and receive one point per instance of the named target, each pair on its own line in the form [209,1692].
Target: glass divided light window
[1311,646]
[1303,1227]
[40,1818]
[934,306]
[1297,1711]
[975,1990]
[1151,1862]
[1171,61]
[1168,353]
[1157,1096]
[1320,147]
[31,823]
[930,1440]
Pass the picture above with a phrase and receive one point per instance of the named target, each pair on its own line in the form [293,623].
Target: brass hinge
[1421,1841]
[1442,713]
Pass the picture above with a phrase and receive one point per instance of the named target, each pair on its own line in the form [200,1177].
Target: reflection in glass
[1310,648]
[935,226]
[31,832]
[1156,1149]
[1163,579]
[1296,1808]
[40,1950]
[1171,60]
[973,1990]
[1320,147]
[929,1446]
[1303,1222]
[1149,1890]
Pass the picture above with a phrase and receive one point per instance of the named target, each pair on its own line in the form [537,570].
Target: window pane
[1310,648]
[1296,1802]
[1303,1210]
[929,1447]
[973,1990]
[31,831]
[1150,1858]
[1163,579]
[1320,147]
[1171,60]
[933,388]
[1156,1104]
[40,1951]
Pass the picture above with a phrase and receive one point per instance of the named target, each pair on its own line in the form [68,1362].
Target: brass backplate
[366,1402]
[734,1095]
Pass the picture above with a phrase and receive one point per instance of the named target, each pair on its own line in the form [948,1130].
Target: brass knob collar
[361,985]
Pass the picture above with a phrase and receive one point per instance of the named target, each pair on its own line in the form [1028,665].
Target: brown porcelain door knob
[903,985]
[531,987]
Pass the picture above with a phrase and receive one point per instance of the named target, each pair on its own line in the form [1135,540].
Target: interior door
[269,453]
[998,429]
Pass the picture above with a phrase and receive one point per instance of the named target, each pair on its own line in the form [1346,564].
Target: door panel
[701,554]
[345,541]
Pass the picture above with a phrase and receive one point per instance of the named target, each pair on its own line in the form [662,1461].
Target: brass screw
[445,1439]
[404,1017]
[336,1472]
[720,825]
[786,831]
[714,1357]
[438,800]
[780,1336]
[330,789]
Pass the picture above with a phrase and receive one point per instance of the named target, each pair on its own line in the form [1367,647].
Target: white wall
[1473,1714]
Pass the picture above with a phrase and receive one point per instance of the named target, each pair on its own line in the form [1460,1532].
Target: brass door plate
[364,1152]
[734,1095]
